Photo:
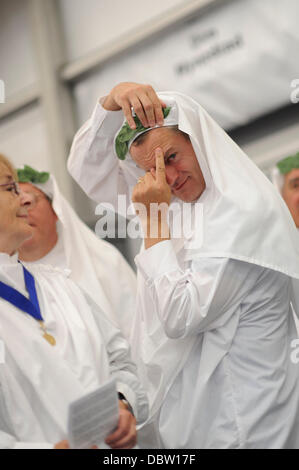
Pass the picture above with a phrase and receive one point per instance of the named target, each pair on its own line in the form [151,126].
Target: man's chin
[188,198]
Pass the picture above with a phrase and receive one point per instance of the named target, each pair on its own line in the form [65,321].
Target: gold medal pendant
[46,335]
[49,338]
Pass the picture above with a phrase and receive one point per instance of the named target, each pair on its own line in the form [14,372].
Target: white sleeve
[197,299]
[121,366]
[92,162]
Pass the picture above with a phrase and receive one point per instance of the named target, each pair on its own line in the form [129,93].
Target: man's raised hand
[142,98]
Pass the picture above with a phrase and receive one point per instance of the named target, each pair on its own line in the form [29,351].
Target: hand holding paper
[97,415]
[125,436]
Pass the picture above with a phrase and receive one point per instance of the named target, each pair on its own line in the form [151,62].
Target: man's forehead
[30,188]
[144,152]
[292,175]
[160,135]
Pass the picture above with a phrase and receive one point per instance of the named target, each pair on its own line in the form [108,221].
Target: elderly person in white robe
[285,176]
[56,344]
[61,239]
[214,328]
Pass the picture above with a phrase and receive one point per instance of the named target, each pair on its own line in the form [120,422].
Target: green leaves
[288,164]
[121,149]
[166,111]
[126,134]
[29,175]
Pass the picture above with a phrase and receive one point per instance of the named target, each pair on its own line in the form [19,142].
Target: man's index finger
[160,166]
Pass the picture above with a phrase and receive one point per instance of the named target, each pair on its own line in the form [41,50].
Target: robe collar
[11,272]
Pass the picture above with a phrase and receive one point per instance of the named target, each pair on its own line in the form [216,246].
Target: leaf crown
[30,175]
[126,134]
[288,163]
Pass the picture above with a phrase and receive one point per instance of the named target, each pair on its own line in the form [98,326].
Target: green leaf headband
[288,164]
[126,134]
[29,175]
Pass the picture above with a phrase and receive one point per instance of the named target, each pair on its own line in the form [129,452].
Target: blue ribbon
[11,295]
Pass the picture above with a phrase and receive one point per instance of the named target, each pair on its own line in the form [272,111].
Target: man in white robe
[45,366]
[61,239]
[285,177]
[214,328]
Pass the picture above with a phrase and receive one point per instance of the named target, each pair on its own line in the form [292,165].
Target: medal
[47,335]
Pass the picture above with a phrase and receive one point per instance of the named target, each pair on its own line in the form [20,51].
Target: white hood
[243,215]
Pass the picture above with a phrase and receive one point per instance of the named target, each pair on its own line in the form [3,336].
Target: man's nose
[171,175]
[26,199]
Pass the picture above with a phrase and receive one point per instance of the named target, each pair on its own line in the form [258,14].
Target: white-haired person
[56,344]
[61,239]
[214,326]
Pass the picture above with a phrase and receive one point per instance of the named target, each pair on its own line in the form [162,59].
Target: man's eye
[10,188]
[171,157]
